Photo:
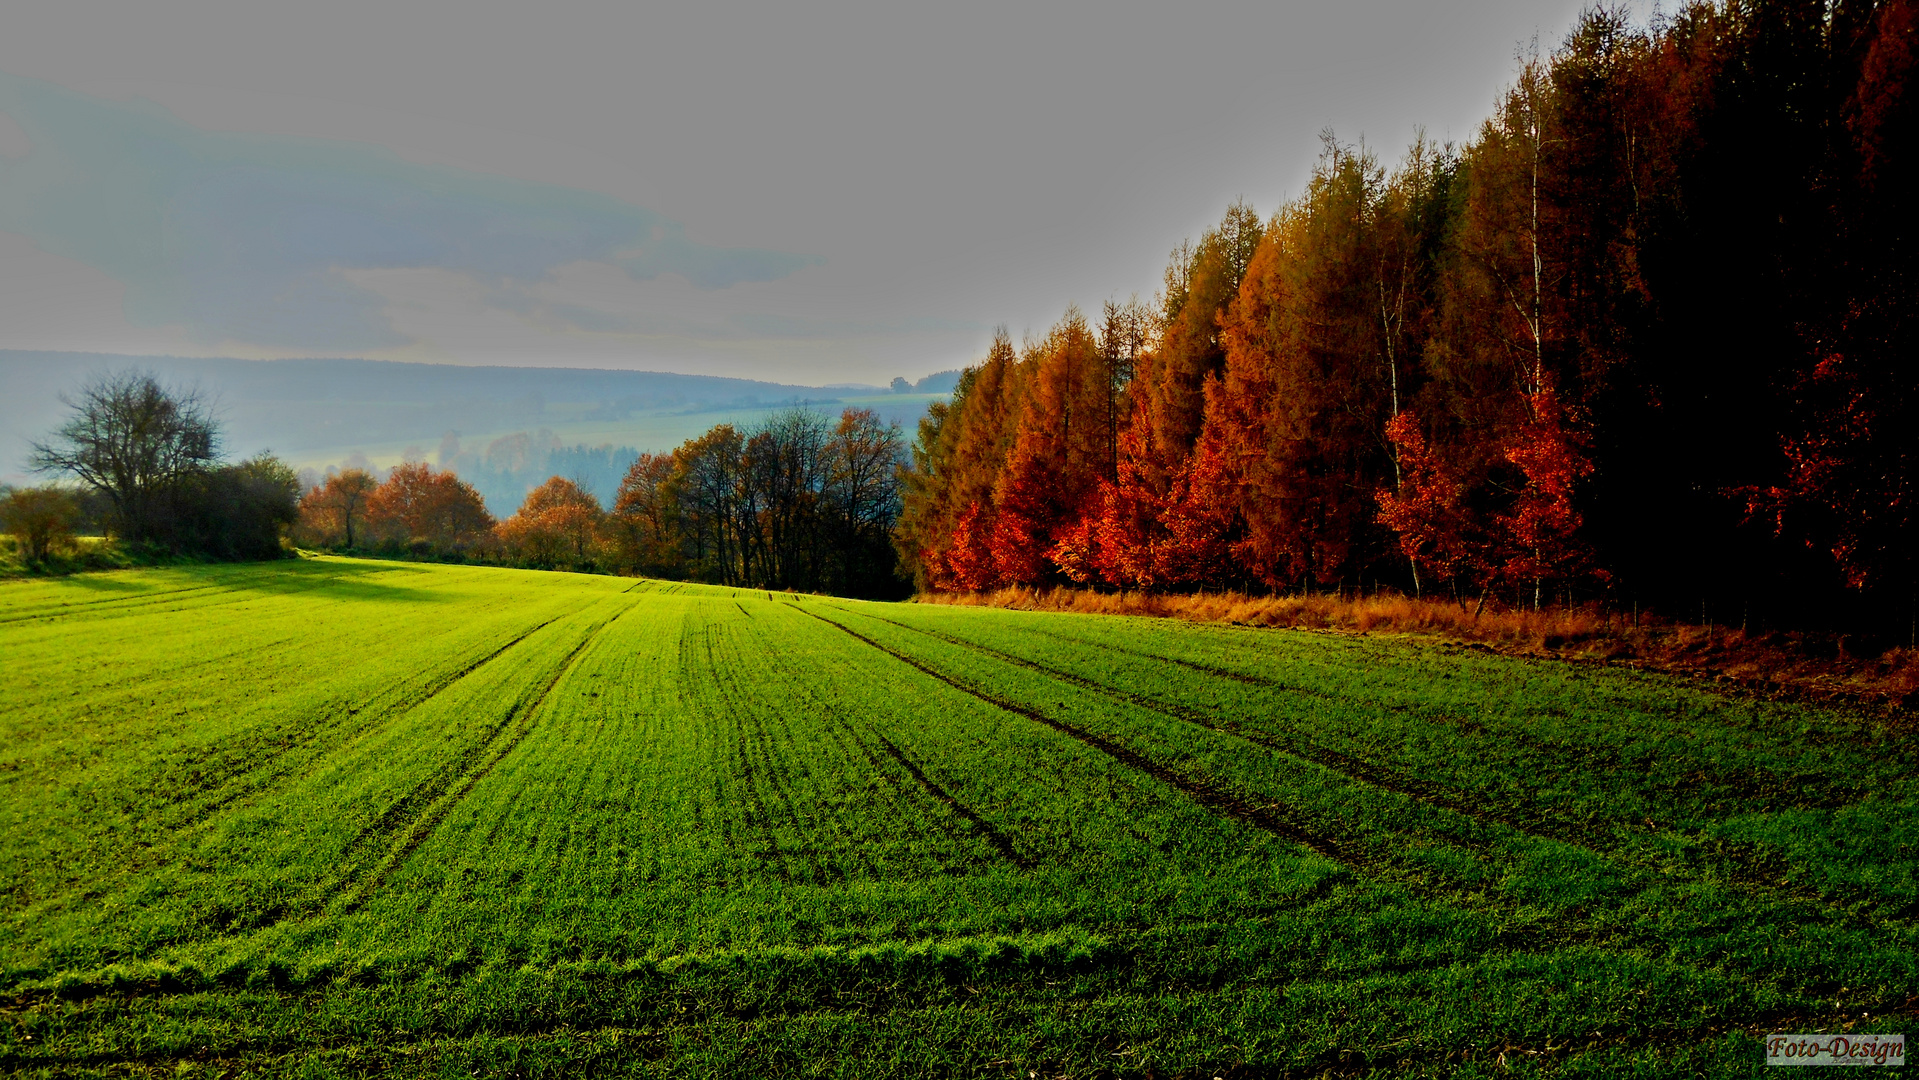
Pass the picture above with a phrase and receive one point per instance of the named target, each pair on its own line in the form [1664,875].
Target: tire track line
[1370,773]
[137,605]
[1561,929]
[492,750]
[128,603]
[241,781]
[988,831]
[1739,873]
[852,744]
[1270,817]
[390,819]
[754,813]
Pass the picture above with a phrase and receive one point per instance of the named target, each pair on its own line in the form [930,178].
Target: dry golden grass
[1784,665]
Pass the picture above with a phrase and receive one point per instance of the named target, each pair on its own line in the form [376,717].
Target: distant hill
[300,407]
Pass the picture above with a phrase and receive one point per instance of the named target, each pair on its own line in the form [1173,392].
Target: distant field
[335,817]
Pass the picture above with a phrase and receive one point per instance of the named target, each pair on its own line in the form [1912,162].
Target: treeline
[1648,336]
[799,501]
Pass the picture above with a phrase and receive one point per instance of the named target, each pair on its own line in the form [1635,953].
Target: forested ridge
[1646,338]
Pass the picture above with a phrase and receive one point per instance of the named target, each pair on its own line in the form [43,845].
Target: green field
[332,817]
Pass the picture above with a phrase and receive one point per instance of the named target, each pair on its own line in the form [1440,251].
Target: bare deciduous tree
[134,440]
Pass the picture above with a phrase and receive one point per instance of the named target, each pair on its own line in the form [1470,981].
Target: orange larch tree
[967,453]
[1058,454]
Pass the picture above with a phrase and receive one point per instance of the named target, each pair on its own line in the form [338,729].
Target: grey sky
[808,193]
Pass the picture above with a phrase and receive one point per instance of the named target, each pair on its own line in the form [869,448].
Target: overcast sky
[802,193]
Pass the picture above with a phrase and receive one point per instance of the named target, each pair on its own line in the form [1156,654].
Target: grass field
[332,817]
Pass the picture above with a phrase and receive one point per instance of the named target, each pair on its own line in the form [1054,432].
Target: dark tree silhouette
[136,441]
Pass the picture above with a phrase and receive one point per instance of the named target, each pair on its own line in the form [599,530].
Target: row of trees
[1650,331]
[800,501]
[414,509]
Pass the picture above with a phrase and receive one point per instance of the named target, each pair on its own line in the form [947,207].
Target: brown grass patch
[1819,667]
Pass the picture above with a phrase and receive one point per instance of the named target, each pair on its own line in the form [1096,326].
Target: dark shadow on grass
[105,584]
[327,578]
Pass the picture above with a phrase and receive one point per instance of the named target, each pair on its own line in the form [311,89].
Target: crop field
[333,817]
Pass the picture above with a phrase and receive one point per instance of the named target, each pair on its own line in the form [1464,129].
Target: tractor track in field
[1549,748]
[852,739]
[255,1050]
[259,745]
[1748,873]
[373,709]
[1269,817]
[1246,678]
[389,820]
[908,808]
[1769,794]
[133,605]
[999,840]
[756,816]
[476,765]
[858,737]
[1748,868]
[373,712]
[1369,773]
[90,607]
[855,739]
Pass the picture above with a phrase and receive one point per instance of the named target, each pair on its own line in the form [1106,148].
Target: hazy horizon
[315,411]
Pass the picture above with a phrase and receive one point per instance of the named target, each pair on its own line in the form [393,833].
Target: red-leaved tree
[1428,511]
[968,561]
[1541,528]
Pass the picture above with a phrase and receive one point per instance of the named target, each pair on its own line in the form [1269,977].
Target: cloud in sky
[280,180]
[258,239]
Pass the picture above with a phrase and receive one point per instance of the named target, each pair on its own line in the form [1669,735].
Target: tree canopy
[1647,335]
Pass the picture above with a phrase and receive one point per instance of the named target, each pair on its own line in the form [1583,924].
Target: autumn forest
[1646,338]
